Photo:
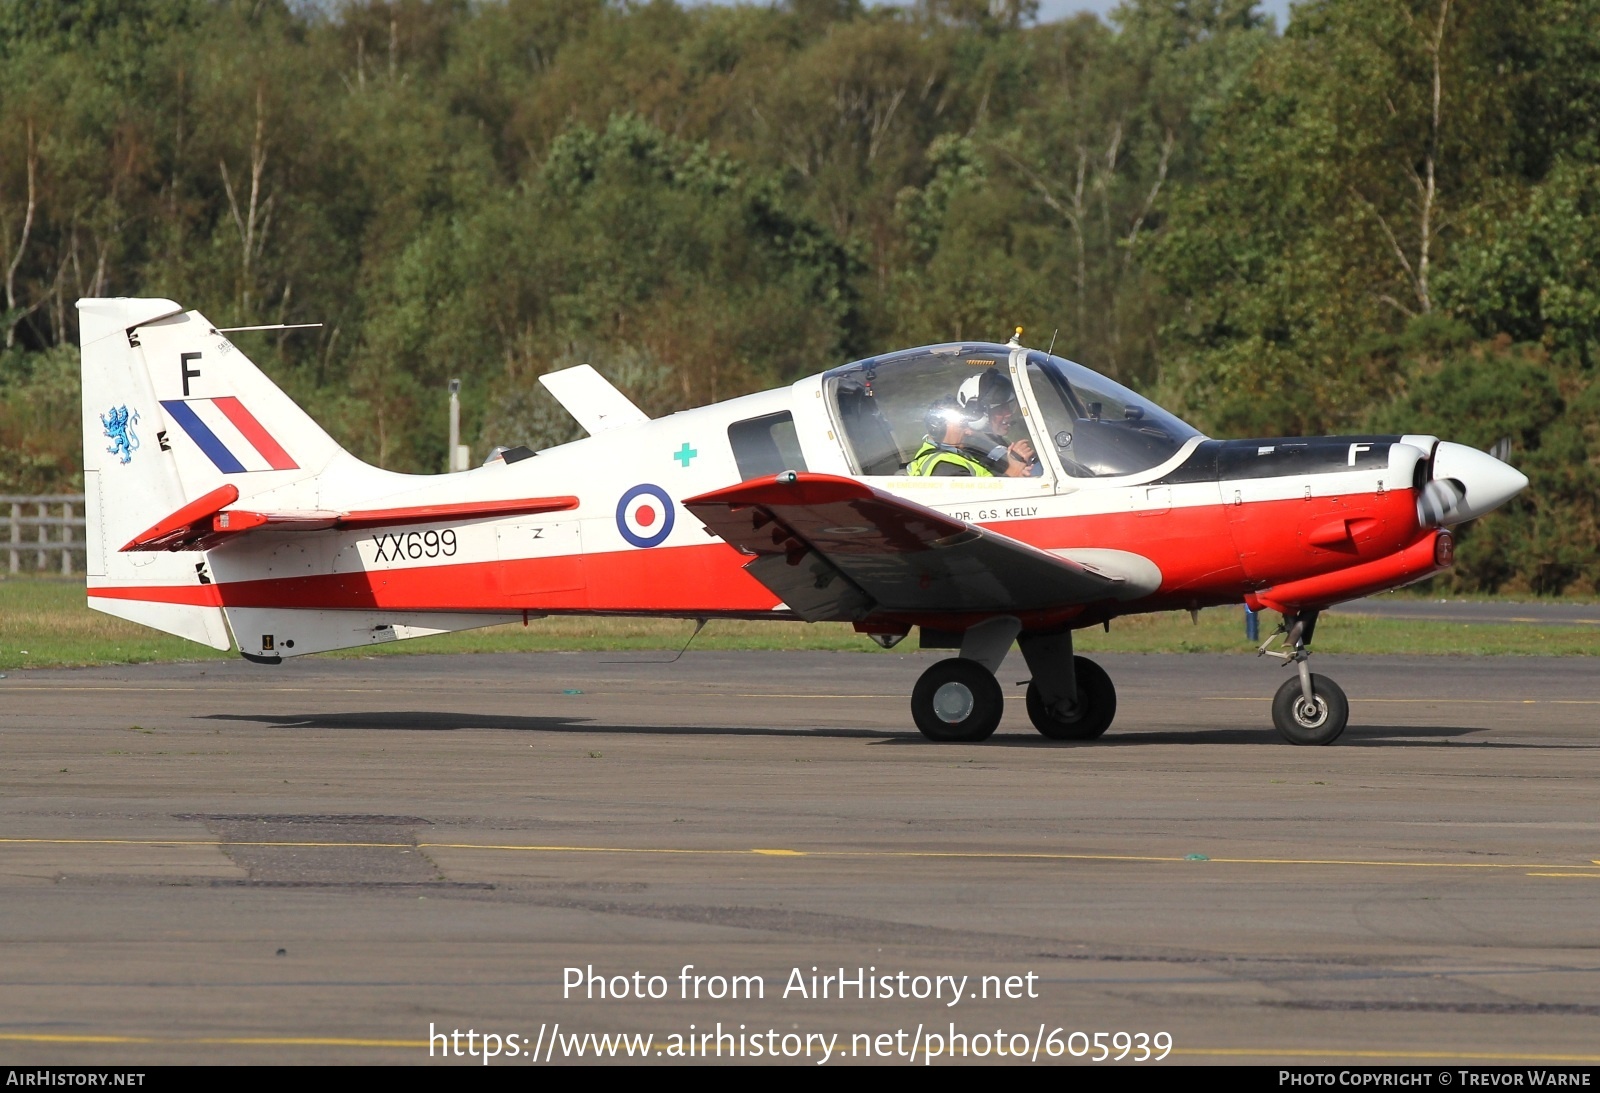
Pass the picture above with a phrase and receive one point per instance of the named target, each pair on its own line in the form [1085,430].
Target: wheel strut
[1295,631]
[1315,711]
[1303,663]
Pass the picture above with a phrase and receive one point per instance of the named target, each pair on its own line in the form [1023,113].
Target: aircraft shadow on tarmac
[450,721]
[1383,736]
[1429,735]
[433,721]
[1356,736]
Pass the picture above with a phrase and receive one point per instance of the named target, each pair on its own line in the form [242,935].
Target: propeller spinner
[1466,484]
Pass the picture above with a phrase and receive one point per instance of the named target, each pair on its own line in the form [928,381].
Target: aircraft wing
[834,548]
[207,522]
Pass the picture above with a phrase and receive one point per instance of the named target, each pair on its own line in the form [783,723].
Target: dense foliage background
[1386,217]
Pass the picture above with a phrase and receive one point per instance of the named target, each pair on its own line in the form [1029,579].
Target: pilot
[946,449]
[991,405]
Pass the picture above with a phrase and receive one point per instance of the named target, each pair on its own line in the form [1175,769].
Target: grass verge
[46,624]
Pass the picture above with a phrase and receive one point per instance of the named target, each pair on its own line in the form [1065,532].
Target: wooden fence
[44,534]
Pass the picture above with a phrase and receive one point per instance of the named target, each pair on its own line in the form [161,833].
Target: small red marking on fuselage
[645,516]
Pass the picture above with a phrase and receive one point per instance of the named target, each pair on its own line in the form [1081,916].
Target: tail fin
[173,411]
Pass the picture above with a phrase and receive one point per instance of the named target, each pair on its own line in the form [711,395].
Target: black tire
[966,713]
[1314,725]
[1097,705]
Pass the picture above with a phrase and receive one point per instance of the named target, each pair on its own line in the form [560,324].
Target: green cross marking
[684,454]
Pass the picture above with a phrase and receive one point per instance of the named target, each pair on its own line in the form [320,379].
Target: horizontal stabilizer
[591,399]
[207,522]
[188,525]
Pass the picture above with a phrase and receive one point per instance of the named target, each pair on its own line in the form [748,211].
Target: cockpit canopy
[1097,427]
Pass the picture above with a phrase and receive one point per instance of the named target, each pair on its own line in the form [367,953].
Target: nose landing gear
[1310,709]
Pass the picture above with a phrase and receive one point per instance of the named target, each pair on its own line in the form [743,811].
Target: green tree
[1323,207]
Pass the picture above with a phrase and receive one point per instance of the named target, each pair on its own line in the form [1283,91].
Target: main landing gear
[1308,709]
[959,700]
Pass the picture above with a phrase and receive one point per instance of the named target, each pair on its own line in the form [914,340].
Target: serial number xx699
[414,545]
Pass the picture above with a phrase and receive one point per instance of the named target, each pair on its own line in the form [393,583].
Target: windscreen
[1098,427]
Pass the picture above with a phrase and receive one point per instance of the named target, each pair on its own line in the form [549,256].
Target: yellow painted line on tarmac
[1564,874]
[707,852]
[49,1038]
[1003,855]
[201,842]
[1592,869]
[223,843]
[1160,859]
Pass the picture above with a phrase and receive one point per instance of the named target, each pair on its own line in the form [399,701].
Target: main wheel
[1319,721]
[1097,705]
[957,701]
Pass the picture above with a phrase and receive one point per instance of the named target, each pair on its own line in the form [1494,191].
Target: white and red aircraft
[216,505]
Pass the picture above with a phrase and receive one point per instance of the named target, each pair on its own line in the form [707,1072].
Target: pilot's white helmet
[982,394]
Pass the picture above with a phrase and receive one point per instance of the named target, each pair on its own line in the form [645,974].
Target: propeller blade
[1438,501]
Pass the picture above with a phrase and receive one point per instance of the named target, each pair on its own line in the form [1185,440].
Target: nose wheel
[1311,721]
[1309,709]
[957,702]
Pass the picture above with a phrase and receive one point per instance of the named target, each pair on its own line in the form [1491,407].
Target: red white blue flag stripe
[229,434]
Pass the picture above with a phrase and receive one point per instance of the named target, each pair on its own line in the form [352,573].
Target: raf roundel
[644,515]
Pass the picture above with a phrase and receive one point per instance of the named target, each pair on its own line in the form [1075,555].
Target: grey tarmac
[314,863]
